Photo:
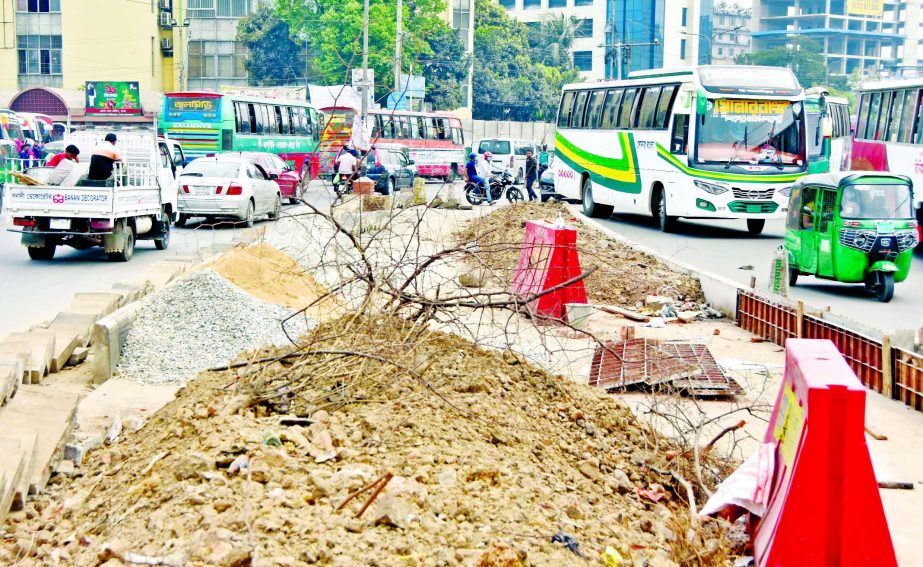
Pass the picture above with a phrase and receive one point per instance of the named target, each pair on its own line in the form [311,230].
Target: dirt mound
[271,275]
[493,461]
[624,276]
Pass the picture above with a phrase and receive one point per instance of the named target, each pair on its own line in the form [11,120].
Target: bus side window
[907,120]
[440,128]
[664,107]
[680,134]
[567,104]
[282,112]
[256,116]
[611,109]
[626,109]
[241,120]
[421,128]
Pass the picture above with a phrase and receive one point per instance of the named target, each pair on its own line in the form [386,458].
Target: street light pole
[184,40]
[397,46]
[626,47]
[365,59]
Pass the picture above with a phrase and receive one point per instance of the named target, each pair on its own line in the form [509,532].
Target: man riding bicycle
[472,173]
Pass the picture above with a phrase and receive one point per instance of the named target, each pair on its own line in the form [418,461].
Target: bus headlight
[785,191]
[710,187]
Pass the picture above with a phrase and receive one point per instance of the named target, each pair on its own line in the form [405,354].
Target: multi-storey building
[731,33]
[868,36]
[460,15]
[215,57]
[618,36]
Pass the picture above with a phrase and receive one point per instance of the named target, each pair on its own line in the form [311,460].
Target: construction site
[398,381]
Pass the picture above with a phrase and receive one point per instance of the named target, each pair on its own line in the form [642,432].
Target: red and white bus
[889,132]
[435,140]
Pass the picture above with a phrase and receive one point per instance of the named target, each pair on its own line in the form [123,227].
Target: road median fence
[895,372]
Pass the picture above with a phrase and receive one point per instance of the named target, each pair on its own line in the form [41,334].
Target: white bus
[829,133]
[722,142]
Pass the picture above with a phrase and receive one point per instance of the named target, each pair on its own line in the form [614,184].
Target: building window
[682,49]
[39,54]
[38,6]
[217,60]
[233,8]
[583,60]
[584,28]
[557,3]
[508,4]
[583,2]
[531,4]
[685,13]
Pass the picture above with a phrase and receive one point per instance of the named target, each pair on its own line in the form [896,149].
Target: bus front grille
[752,207]
[740,193]
[197,142]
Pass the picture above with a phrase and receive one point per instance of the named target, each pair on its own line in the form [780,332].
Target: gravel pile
[200,322]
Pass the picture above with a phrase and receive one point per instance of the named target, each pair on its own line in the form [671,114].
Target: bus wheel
[590,208]
[755,226]
[667,223]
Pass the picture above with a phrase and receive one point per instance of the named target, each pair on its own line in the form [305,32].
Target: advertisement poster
[865,7]
[113,97]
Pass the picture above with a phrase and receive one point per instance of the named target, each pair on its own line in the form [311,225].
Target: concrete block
[100,302]
[109,336]
[77,449]
[12,468]
[78,356]
[29,449]
[39,359]
[45,414]
[133,292]
[11,372]
[80,323]
[64,342]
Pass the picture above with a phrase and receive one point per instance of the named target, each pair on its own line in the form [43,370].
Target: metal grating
[684,367]
[766,318]
[862,353]
[908,378]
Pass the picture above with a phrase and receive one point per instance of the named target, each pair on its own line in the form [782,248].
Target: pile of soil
[492,458]
[265,272]
[624,277]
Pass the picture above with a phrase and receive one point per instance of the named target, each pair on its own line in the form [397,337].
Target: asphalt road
[725,248]
[34,291]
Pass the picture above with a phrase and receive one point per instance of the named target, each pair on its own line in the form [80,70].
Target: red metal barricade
[824,507]
[548,258]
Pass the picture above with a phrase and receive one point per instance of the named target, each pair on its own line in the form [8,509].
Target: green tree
[803,56]
[335,31]
[552,39]
[446,69]
[273,57]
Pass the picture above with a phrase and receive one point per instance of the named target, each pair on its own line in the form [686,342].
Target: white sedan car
[227,187]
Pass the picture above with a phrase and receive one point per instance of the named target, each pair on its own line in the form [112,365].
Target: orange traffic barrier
[824,507]
[548,258]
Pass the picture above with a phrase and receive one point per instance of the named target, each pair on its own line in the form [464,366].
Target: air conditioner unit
[166,45]
[165,20]
[166,5]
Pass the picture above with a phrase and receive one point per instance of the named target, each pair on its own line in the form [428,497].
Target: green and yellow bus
[206,123]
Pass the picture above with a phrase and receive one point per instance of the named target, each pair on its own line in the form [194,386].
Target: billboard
[412,86]
[121,98]
[865,7]
[283,93]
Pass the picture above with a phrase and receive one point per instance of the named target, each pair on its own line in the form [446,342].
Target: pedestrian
[544,160]
[25,154]
[531,174]
[103,158]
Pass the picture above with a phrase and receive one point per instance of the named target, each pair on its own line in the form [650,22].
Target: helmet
[488,155]
[472,155]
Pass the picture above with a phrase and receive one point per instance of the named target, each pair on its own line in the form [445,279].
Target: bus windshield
[181,108]
[756,132]
[876,202]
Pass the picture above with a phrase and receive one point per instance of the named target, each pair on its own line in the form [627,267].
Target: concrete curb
[720,292]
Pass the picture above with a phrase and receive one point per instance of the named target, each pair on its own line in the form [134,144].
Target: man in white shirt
[347,165]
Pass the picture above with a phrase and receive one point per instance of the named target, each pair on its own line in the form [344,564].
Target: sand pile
[624,277]
[265,272]
[491,458]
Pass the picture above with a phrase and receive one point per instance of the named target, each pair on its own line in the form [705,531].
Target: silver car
[227,188]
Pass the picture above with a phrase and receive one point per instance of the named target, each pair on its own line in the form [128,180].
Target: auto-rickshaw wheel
[755,226]
[884,288]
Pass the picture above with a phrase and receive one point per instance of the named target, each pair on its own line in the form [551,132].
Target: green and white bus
[206,123]
[829,133]
[723,142]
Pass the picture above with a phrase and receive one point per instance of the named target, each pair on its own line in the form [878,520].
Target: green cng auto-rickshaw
[854,227]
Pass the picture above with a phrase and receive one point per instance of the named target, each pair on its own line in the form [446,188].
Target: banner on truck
[121,98]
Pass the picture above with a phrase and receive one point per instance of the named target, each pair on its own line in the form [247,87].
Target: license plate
[59,224]
[201,191]
[886,242]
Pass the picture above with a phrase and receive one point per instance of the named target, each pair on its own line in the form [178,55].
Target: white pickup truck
[138,202]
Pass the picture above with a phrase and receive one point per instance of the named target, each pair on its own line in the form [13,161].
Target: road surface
[725,248]
[34,291]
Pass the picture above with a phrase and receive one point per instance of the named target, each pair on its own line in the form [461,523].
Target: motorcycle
[497,186]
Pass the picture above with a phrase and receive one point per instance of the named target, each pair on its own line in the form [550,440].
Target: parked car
[227,187]
[390,168]
[288,180]
[508,153]
[546,184]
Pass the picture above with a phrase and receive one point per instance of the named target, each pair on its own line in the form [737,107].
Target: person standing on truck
[64,165]
[103,158]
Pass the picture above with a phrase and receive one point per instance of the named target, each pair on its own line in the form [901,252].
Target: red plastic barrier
[824,507]
[548,258]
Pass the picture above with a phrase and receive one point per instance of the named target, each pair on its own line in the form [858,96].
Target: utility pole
[397,47]
[365,60]
[623,52]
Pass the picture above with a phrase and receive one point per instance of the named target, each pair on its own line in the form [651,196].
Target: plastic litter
[569,542]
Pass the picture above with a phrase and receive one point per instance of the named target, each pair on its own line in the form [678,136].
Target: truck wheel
[45,252]
[128,250]
[163,242]
[181,219]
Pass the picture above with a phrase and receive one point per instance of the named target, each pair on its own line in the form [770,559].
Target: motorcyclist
[472,173]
